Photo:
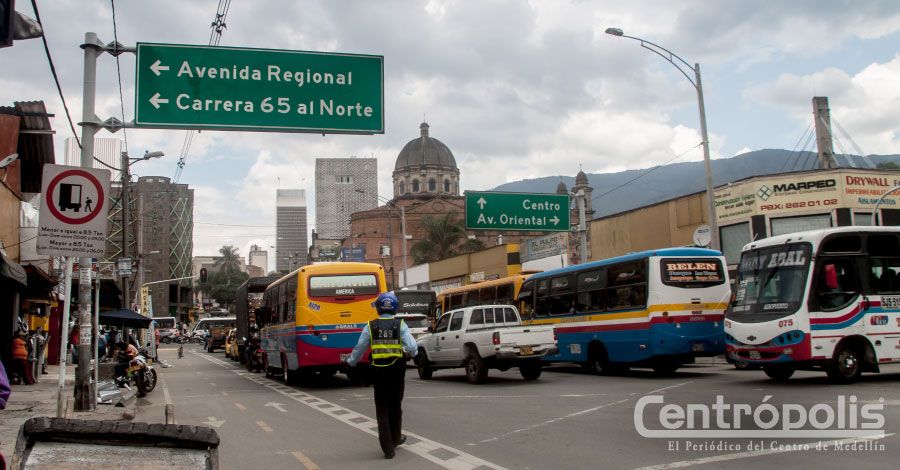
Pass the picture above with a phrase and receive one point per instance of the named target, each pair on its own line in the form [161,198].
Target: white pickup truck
[481,338]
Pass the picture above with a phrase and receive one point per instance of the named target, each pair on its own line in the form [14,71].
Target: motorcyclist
[126,352]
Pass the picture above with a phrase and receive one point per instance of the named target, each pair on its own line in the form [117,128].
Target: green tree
[442,238]
[888,166]
[225,277]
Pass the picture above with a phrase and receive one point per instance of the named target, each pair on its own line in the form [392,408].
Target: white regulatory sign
[74,207]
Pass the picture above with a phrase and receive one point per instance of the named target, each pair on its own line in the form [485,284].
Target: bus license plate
[697,347]
[754,355]
[526,351]
[345,356]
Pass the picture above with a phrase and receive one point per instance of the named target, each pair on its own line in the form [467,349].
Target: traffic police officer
[389,339]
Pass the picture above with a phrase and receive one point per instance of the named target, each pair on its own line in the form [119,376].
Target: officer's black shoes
[401,441]
[389,455]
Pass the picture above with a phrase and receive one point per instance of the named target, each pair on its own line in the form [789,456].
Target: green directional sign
[517,211]
[233,88]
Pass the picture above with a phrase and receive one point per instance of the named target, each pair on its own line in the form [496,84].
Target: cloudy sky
[517,89]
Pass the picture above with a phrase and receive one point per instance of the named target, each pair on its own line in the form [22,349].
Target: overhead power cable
[118,70]
[651,170]
[37,17]
[215,36]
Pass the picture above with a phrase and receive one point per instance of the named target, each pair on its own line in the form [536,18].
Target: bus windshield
[770,283]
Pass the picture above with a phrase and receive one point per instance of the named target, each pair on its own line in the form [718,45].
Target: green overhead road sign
[232,88]
[517,211]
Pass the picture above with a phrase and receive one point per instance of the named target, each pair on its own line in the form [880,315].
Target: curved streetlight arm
[667,55]
[878,204]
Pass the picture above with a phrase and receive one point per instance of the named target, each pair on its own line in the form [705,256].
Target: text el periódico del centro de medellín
[272,74]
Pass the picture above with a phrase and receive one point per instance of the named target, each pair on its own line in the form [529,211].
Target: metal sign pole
[96,345]
[92,48]
[63,341]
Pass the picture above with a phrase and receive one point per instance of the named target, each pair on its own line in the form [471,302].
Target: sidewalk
[29,401]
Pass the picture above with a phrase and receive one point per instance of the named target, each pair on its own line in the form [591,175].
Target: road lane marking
[305,460]
[212,384]
[224,393]
[440,454]
[166,394]
[570,415]
[757,453]
[240,406]
[265,427]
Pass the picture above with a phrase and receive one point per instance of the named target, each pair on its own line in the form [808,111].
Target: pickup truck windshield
[770,283]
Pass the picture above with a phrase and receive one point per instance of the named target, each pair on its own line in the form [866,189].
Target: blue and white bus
[658,309]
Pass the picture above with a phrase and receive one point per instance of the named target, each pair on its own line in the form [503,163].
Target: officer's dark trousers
[389,384]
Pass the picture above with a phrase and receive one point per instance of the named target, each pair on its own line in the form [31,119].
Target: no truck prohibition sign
[73,213]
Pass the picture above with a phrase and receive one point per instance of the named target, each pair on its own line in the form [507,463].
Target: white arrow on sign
[555,220]
[155,100]
[277,406]
[212,421]
[157,67]
[481,202]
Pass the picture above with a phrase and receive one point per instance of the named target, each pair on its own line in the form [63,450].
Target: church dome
[581,179]
[561,188]
[425,151]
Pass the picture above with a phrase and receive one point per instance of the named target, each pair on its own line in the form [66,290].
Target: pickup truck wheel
[425,370]
[476,370]
[530,370]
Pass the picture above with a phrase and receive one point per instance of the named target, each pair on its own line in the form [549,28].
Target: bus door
[883,266]
[835,302]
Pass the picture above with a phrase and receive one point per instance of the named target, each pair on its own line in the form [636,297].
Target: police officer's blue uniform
[389,338]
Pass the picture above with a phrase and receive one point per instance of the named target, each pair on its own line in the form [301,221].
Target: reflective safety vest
[385,340]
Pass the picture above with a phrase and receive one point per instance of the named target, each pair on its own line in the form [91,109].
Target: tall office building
[107,149]
[290,229]
[343,186]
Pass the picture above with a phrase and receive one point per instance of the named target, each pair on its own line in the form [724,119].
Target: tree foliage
[225,277]
[888,166]
[442,238]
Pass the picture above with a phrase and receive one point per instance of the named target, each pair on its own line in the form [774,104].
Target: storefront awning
[12,271]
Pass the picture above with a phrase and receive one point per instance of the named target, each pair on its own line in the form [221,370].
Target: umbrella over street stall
[124,318]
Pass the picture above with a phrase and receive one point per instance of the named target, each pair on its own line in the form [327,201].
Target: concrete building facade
[343,186]
[258,257]
[291,250]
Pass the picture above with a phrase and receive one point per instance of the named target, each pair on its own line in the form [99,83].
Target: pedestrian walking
[43,341]
[389,338]
[20,360]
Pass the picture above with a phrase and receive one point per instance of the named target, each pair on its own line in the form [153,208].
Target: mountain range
[626,190]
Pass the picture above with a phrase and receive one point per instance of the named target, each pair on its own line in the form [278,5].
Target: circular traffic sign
[90,212]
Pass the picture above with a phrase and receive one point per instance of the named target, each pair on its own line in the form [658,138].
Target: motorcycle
[253,355]
[140,373]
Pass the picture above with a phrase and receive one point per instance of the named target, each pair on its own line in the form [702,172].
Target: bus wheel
[286,375]
[530,370]
[779,373]
[599,363]
[476,370]
[845,368]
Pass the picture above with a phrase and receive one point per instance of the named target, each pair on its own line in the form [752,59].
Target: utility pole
[83,389]
[403,229]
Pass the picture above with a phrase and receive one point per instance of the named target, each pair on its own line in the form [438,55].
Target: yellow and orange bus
[312,318]
[496,291]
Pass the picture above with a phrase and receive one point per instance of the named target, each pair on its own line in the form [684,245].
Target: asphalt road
[566,419]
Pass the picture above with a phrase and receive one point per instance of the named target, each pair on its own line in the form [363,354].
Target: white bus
[819,300]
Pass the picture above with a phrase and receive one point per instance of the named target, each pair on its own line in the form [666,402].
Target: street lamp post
[126,203]
[402,210]
[698,85]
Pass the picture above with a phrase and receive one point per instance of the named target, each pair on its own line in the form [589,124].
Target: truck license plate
[697,347]
[526,351]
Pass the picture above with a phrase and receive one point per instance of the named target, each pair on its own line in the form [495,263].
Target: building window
[862,218]
[446,186]
[432,185]
[415,186]
[344,179]
[402,187]
[733,239]
[801,223]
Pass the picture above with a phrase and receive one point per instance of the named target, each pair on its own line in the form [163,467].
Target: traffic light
[203,274]
[7,17]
